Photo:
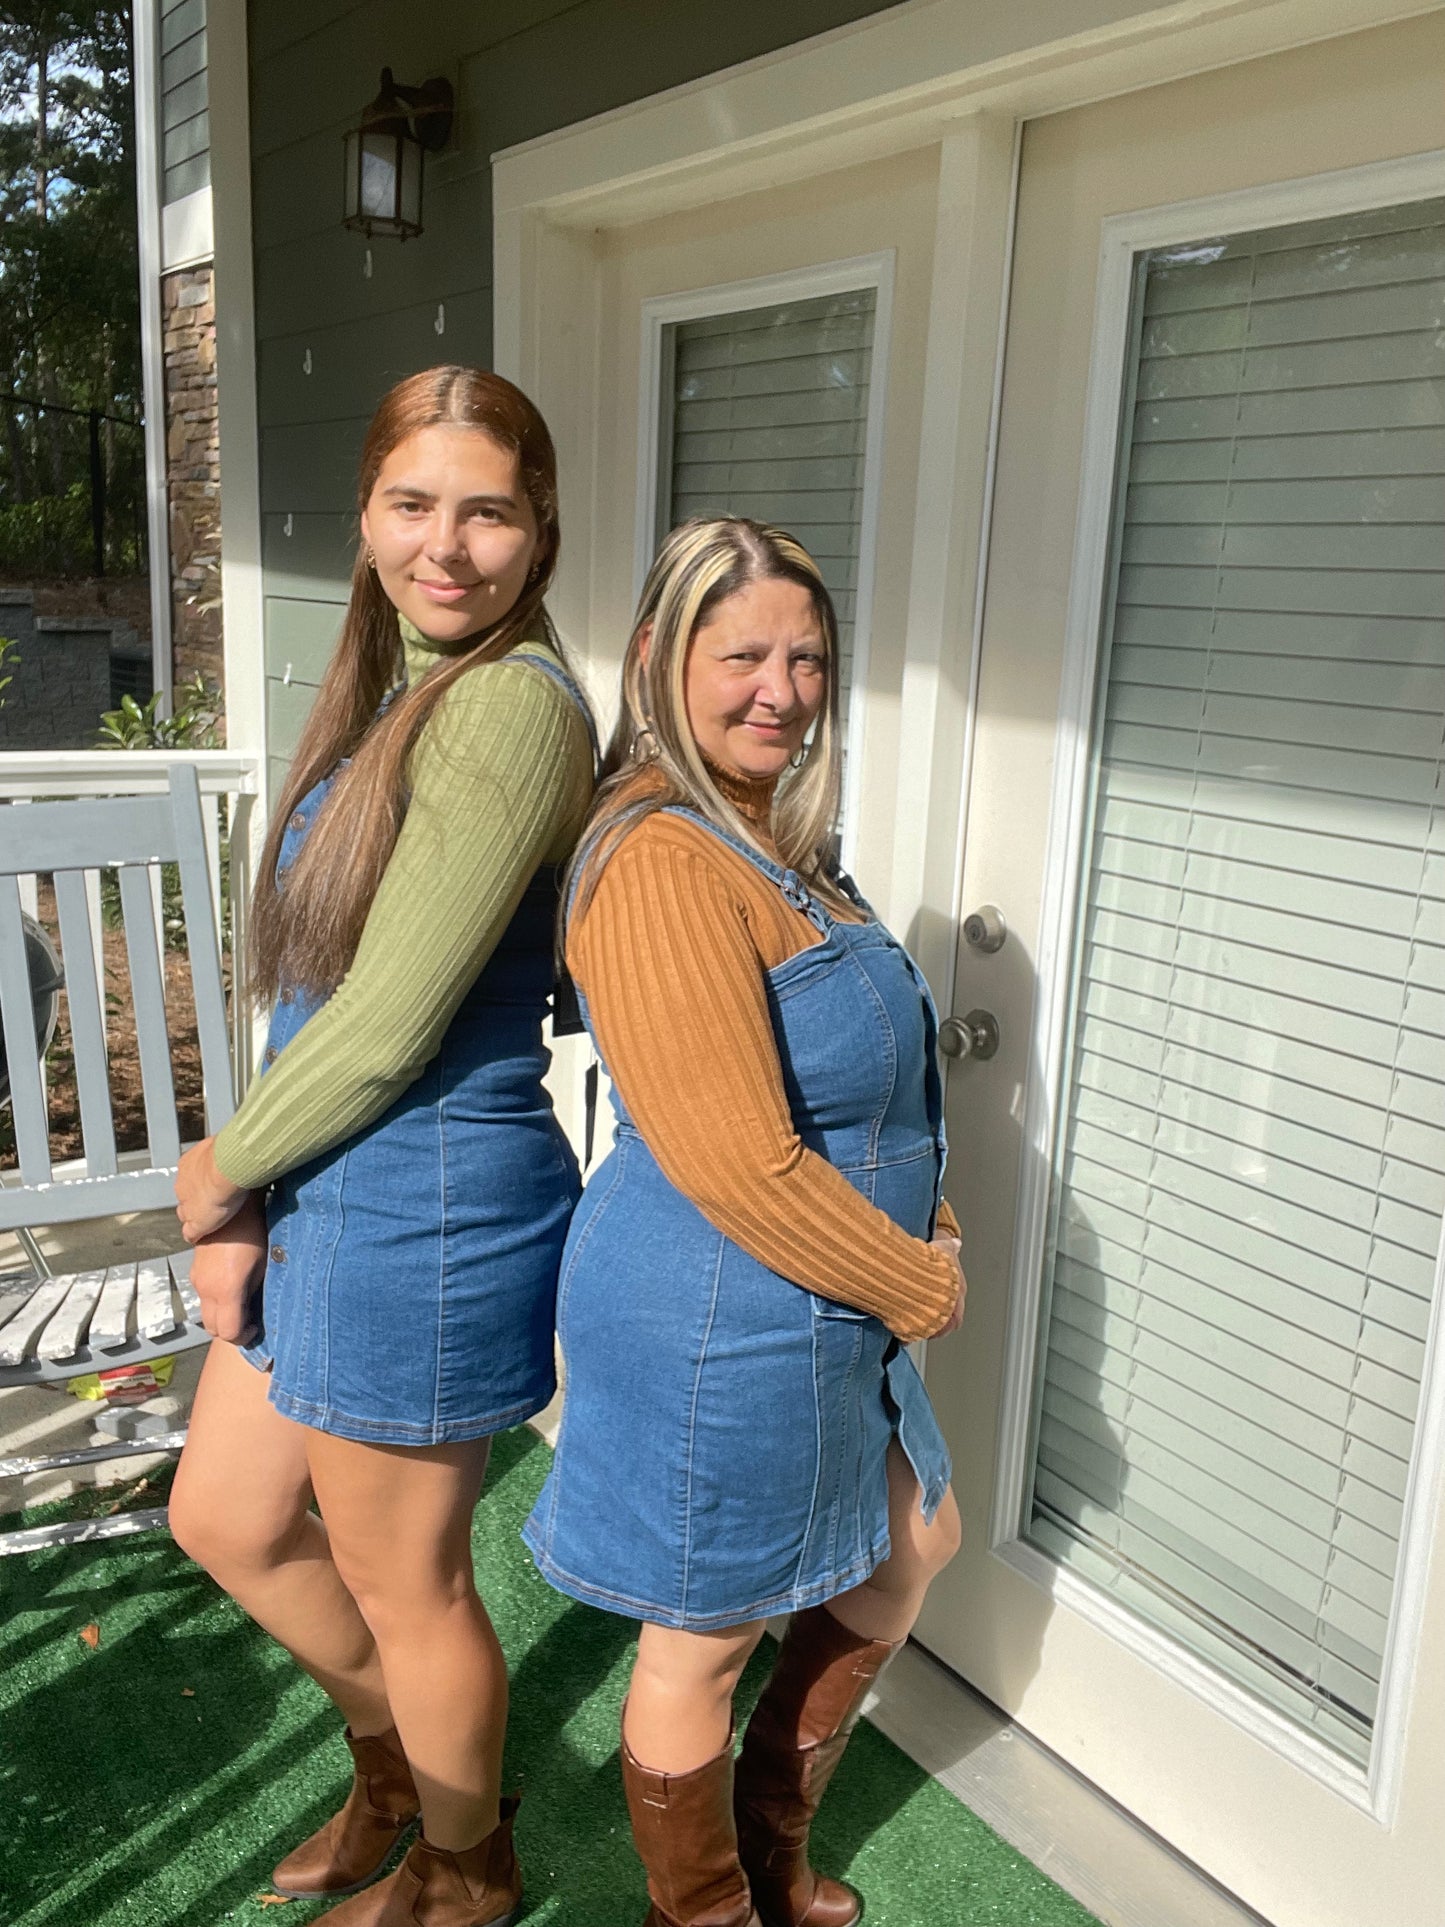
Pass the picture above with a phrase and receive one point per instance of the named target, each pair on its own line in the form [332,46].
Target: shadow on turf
[110,1765]
[111,1772]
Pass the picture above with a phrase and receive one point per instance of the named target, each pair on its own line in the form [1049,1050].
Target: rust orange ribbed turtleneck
[672,952]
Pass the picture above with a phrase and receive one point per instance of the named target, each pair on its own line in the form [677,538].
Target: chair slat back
[87,1020]
[73,840]
[27,1098]
[148,998]
[197,835]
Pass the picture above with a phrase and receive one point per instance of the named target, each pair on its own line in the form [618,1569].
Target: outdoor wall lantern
[384,155]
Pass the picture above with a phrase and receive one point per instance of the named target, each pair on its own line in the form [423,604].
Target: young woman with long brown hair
[743,1432]
[396,1183]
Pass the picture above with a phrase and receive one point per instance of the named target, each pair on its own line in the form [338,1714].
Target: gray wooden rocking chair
[61,1327]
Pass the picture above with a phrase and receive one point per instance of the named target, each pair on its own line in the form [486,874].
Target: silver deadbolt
[975,1035]
[985,929]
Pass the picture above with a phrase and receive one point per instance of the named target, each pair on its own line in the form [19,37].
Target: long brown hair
[306,934]
[653,759]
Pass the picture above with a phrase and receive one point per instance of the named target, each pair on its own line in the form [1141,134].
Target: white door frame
[942,73]
[874,271]
[1124,237]
[883,87]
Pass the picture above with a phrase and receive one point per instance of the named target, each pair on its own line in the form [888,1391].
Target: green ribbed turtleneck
[501,778]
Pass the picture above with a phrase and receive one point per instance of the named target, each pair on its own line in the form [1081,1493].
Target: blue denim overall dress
[411,1279]
[725,1431]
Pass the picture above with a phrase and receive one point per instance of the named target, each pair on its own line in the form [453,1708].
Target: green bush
[9,655]
[49,536]
[196,708]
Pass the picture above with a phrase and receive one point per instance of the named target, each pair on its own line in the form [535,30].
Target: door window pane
[765,414]
[1252,1168]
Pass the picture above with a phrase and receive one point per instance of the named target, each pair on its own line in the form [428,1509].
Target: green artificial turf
[154,1779]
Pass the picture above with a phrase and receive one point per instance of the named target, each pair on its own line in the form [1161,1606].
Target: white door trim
[243,605]
[874,271]
[1123,238]
[145,24]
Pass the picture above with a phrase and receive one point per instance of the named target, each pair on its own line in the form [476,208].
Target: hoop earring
[797,762]
[644,745]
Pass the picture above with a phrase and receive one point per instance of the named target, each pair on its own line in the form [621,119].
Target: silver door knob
[975,1035]
[985,929]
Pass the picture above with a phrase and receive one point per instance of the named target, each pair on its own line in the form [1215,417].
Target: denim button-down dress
[724,1436]
[411,1280]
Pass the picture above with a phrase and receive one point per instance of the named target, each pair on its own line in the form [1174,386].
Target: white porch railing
[28,775]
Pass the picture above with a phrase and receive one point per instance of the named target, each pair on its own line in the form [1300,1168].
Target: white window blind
[766,414]
[1252,1169]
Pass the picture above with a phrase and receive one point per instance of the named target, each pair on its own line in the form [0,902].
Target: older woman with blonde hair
[744,1433]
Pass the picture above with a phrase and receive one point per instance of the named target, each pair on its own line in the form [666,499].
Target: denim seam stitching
[563,1288]
[692,1418]
[793,1599]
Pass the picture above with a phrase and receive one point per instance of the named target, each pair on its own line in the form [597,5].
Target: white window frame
[1124,237]
[875,271]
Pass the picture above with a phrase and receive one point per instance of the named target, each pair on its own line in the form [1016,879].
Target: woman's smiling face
[452,531]
[756,677]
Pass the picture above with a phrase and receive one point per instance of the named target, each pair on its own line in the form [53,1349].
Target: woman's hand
[205,1197]
[227,1267]
[955,1318]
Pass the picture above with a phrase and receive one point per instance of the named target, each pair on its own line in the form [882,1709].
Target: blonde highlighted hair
[653,761]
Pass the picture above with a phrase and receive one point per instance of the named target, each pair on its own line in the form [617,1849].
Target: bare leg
[240,1508]
[400,1524]
[680,1705]
[888,1602]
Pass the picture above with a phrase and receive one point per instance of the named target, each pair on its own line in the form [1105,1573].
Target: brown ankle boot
[795,1739]
[686,1838]
[355,1844]
[479,1887]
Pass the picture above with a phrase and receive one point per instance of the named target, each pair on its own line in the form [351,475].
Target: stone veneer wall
[193,472]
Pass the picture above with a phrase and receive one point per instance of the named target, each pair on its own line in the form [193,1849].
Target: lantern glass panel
[409,199]
[353,176]
[378,176]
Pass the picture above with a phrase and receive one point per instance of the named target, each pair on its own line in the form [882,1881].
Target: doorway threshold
[1098,1853]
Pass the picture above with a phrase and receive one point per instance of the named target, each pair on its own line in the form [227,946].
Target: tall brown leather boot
[479,1887]
[795,1739]
[354,1845]
[686,1838]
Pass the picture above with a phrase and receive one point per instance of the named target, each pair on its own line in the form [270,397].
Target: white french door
[1195,1408]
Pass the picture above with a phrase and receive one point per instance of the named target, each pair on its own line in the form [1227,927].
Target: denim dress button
[271,1054]
[278,1254]
[298,822]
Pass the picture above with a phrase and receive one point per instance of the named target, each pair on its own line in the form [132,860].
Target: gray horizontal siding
[367,314]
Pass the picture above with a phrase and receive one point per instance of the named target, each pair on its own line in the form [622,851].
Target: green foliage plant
[196,710]
[9,656]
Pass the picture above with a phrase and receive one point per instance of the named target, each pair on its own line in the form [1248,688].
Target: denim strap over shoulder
[555,670]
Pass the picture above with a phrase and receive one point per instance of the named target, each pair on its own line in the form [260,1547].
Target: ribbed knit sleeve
[500,782]
[675,988]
